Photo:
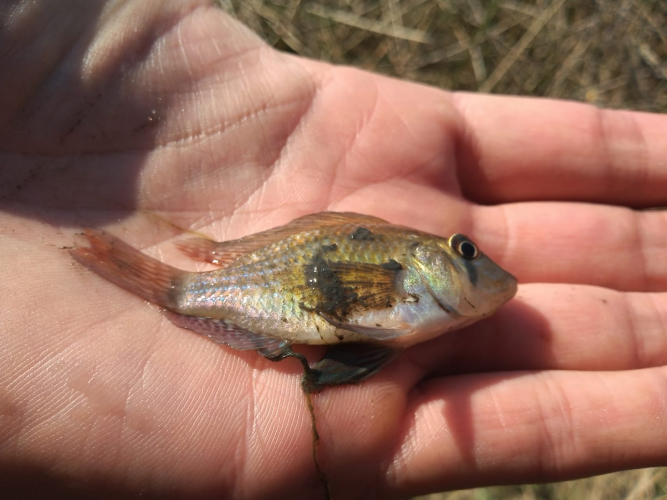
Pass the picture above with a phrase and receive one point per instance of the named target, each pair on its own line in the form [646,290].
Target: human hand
[128,114]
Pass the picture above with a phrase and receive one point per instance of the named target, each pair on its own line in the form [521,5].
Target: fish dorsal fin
[333,219]
[225,252]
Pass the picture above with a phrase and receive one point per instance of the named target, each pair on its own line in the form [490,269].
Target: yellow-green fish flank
[328,278]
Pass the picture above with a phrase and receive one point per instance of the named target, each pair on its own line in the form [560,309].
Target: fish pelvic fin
[346,364]
[129,268]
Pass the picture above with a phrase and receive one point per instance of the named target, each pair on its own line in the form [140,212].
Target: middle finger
[582,243]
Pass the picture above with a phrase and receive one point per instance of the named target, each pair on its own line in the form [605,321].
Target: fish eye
[463,246]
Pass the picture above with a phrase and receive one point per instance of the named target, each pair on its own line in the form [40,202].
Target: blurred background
[609,53]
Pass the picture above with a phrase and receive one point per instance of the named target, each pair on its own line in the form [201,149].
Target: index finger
[537,149]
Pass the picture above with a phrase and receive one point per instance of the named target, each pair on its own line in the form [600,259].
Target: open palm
[143,117]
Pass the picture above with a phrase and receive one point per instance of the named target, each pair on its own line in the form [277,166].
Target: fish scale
[329,278]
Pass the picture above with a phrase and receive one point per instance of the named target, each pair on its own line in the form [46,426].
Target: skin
[134,115]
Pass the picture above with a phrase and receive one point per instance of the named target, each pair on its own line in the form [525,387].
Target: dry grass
[629,485]
[611,53]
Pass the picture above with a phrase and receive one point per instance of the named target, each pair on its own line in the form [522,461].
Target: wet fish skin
[325,278]
[272,290]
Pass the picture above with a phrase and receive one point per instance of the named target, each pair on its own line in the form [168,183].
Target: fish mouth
[497,288]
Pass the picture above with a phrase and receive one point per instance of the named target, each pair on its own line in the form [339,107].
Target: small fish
[356,283]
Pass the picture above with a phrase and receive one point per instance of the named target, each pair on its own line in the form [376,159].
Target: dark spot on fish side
[173,292]
[392,265]
[337,298]
[378,325]
[329,248]
[283,319]
[343,287]
[362,234]
[605,301]
[339,336]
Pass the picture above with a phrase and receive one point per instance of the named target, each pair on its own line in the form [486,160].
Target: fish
[358,284]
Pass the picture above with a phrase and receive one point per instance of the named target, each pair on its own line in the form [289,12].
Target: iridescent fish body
[342,279]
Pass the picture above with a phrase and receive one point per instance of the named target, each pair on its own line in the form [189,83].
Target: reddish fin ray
[128,268]
[210,251]
[333,219]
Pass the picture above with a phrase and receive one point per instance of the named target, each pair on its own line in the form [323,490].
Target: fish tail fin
[129,268]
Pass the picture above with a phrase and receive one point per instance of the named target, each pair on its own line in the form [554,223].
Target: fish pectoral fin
[224,332]
[373,332]
[341,289]
[347,363]
[225,252]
